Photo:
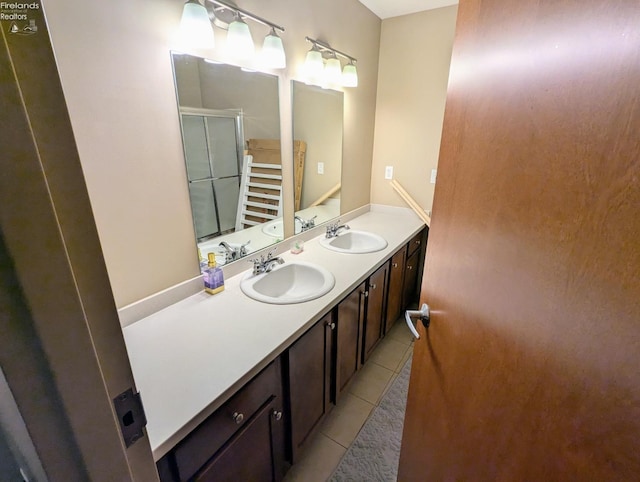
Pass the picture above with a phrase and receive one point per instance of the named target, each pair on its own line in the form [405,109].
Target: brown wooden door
[349,331]
[530,368]
[377,289]
[395,292]
[309,381]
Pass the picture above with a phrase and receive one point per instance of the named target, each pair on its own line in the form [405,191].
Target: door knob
[424,315]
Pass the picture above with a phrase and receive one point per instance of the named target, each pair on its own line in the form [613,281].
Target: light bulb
[350,75]
[273,51]
[239,40]
[313,65]
[195,27]
[333,71]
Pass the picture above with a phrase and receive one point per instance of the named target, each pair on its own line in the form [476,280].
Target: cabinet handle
[238,418]
[330,324]
[409,267]
[374,286]
[277,414]
[364,293]
[418,242]
[395,265]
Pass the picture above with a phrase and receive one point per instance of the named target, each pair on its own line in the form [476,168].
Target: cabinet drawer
[201,444]
[415,243]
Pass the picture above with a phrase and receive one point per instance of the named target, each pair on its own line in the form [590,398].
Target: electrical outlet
[434,174]
[321,168]
[388,172]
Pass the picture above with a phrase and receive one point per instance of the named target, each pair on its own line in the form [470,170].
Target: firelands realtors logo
[18,15]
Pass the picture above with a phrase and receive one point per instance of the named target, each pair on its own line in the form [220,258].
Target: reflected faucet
[231,254]
[265,265]
[306,224]
[334,229]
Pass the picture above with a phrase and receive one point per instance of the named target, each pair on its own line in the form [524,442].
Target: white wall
[415,53]
[115,68]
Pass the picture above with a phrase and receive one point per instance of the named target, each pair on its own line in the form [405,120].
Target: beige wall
[415,53]
[115,67]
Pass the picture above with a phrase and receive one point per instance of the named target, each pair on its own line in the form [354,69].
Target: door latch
[131,416]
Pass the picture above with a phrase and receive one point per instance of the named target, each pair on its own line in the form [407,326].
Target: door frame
[62,339]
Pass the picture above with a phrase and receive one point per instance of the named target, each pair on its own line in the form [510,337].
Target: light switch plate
[434,174]
[321,168]
[388,172]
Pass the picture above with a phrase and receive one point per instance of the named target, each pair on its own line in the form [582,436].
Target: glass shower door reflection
[213,150]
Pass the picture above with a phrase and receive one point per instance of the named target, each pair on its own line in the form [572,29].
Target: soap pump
[213,276]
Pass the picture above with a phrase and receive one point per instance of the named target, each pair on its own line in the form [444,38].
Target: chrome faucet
[265,265]
[231,254]
[307,224]
[334,229]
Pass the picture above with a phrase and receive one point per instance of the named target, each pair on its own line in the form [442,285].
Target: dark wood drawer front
[248,455]
[415,243]
[201,444]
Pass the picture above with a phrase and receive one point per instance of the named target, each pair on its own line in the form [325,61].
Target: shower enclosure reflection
[213,146]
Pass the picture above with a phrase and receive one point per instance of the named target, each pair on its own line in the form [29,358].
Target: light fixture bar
[246,14]
[328,47]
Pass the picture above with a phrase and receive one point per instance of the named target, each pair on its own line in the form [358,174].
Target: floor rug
[374,454]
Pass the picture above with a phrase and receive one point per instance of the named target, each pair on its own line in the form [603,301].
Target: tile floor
[340,427]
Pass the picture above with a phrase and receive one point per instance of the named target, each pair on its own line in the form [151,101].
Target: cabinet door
[375,313]
[411,279]
[395,290]
[255,453]
[349,331]
[309,381]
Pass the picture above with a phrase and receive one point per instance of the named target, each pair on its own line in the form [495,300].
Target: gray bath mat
[374,454]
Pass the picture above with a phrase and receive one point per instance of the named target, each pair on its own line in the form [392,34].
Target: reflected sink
[289,283]
[355,242]
[276,230]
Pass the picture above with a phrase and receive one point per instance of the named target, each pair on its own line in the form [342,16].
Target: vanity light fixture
[195,26]
[350,75]
[322,66]
[273,51]
[314,65]
[333,70]
[239,40]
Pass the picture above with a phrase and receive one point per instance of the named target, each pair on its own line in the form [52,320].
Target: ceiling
[394,8]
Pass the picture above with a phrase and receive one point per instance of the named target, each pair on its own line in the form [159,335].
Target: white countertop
[192,356]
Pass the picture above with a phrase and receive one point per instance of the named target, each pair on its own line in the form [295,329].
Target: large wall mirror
[317,134]
[231,133]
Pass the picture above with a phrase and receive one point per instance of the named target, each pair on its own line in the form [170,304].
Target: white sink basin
[355,242]
[289,283]
[276,230]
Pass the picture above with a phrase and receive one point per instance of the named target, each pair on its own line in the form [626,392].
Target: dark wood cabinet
[395,292]
[413,268]
[375,310]
[410,288]
[254,453]
[254,418]
[349,322]
[309,363]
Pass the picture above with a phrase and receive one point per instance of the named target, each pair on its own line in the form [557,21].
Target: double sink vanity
[234,384]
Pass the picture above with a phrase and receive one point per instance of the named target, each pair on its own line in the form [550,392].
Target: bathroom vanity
[233,388]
